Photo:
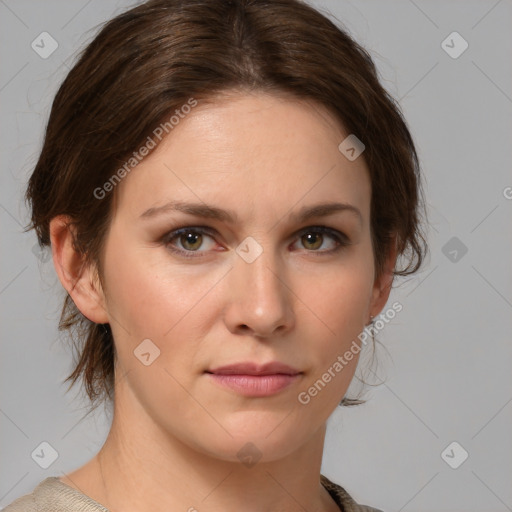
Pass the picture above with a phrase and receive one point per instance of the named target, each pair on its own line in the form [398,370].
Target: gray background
[448,364]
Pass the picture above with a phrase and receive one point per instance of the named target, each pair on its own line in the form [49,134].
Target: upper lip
[250,368]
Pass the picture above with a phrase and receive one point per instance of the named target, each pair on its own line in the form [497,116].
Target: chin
[251,443]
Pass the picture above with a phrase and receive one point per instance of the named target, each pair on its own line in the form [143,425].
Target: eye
[191,239]
[313,237]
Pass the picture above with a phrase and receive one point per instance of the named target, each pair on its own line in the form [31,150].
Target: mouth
[249,379]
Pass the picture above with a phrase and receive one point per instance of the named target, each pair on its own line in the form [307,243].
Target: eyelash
[339,237]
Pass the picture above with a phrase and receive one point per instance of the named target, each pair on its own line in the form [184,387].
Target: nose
[260,301]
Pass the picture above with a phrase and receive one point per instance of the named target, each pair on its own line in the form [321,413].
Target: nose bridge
[258,266]
[261,299]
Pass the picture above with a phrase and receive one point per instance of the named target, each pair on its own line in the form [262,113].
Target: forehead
[256,152]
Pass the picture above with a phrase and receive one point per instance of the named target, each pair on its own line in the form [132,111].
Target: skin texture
[175,433]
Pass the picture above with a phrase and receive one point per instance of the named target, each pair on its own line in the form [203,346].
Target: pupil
[311,238]
[189,238]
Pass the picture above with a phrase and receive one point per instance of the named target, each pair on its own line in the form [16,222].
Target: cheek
[143,296]
[148,297]
[341,295]
[135,294]
[335,313]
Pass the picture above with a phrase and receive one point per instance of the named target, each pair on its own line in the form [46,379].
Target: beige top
[52,495]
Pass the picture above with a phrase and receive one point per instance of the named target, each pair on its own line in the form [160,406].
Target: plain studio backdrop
[436,434]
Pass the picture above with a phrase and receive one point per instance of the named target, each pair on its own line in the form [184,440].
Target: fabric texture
[52,495]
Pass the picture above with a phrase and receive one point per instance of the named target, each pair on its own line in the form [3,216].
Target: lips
[255,381]
[249,368]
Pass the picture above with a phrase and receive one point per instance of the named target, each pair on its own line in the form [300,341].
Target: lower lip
[255,385]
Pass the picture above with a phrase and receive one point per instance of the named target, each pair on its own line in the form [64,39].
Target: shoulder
[343,498]
[52,495]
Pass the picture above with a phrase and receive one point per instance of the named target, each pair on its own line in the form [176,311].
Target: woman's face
[253,280]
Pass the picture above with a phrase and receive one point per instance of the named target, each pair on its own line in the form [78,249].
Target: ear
[80,280]
[382,285]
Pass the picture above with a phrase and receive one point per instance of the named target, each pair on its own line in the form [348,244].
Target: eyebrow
[228,216]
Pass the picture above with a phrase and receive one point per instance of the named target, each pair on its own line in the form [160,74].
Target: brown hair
[149,61]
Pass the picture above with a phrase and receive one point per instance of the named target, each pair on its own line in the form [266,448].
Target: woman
[226,188]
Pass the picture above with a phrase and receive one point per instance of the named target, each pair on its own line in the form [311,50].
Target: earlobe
[78,279]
